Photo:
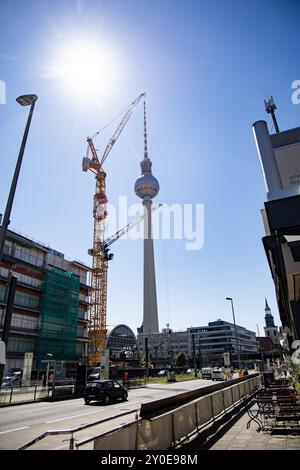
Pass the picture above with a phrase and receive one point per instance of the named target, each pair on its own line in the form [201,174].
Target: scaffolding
[59,315]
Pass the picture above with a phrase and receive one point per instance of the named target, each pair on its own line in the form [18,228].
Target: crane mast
[98,290]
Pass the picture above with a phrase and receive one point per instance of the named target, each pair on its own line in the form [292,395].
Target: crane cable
[108,124]
[113,120]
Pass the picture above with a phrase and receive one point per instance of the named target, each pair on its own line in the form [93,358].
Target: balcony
[83,298]
[83,316]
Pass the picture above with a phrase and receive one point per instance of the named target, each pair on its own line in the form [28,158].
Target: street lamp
[194,354]
[49,355]
[238,346]
[24,100]
[260,348]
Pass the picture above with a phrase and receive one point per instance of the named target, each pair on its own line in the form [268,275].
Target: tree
[180,360]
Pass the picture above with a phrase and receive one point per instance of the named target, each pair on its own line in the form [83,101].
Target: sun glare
[84,68]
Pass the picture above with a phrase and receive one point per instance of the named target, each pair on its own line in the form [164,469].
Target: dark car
[104,390]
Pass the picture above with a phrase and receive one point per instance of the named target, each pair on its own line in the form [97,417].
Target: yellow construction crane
[98,290]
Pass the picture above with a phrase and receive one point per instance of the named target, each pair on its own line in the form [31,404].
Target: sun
[84,67]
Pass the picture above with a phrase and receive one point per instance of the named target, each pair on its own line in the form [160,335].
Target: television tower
[146,187]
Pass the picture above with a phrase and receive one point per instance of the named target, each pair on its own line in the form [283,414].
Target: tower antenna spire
[270,107]
[145,132]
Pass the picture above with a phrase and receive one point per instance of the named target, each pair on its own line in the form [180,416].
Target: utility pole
[270,107]
[260,348]
[24,100]
[194,354]
[147,356]
[8,316]
[236,338]
[200,355]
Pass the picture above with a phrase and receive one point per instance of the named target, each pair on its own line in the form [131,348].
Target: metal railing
[21,394]
[72,431]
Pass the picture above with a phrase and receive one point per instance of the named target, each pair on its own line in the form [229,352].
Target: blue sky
[206,68]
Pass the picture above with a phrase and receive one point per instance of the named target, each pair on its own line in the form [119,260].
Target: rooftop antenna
[270,107]
[145,132]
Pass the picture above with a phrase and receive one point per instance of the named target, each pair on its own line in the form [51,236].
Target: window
[30,255]
[17,345]
[116,385]
[24,321]
[3,293]
[27,300]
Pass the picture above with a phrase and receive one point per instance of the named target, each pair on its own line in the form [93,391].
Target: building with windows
[122,345]
[207,344]
[50,313]
[163,347]
[279,159]
[203,345]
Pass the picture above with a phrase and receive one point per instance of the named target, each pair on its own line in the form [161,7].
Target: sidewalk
[240,438]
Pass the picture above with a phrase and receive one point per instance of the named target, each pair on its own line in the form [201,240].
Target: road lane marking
[97,411]
[77,416]
[12,430]
[70,417]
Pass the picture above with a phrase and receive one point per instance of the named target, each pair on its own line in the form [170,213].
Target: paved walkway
[240,438]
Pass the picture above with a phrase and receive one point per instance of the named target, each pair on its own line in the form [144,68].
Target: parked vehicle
[162,373]
[93,374]
[206,373]
[218,374]
[11,381]
[105,391]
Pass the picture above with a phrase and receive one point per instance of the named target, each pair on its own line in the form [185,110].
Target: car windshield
[95,385]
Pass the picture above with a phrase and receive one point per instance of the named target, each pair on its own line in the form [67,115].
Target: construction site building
[50,314]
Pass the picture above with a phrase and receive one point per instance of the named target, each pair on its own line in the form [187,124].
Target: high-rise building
[211,341]
[146,187]
[204,345]
[280,163]
[50,312]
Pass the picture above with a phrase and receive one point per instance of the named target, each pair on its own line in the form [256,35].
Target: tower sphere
[146,186]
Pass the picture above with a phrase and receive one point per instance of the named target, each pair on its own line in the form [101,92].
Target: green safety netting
[59,314]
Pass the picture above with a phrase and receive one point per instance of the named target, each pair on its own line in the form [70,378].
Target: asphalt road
[20,424]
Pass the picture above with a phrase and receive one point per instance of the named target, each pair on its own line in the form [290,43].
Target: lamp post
[49,355]
[194,354]
[260,349]
[24,100]
[237,345]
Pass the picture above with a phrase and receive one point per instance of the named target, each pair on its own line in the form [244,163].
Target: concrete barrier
[204,410]
[122,439]
[166,430]
[184,421]
[151,409]
[155,434]
[217,403]
[228,399]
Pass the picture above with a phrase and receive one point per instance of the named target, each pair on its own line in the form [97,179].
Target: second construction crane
[98,291]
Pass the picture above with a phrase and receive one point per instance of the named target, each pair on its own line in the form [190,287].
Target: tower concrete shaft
[146,187]
[150,313]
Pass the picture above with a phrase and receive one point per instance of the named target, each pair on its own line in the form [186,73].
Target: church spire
[267,306]
[269,319]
